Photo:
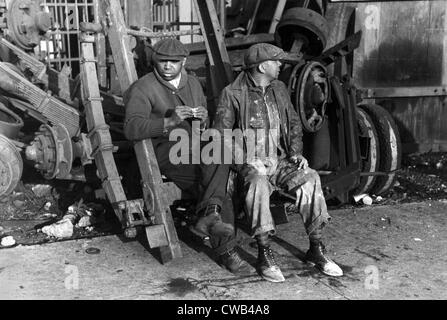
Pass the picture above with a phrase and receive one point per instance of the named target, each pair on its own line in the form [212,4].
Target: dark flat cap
[261,52]
[170,49]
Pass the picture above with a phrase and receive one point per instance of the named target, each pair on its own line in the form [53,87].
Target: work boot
[211,223]
[315,256]
[233,262]
[267,266]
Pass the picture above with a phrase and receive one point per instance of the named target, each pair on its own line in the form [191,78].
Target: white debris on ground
[42,190]
[8,241]
[60,229]
[365,198]
[78,215]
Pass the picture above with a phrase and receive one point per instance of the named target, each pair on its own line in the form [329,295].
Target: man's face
[169,69]
[271,68]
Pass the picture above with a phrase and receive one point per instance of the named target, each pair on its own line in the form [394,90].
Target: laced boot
[211,223]
[233,262]
[267,266]
[316,256]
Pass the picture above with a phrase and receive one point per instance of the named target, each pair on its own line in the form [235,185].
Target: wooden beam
[156,201]
[403,92]
[232,43]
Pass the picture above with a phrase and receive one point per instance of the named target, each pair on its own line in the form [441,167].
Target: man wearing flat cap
[259,105]
[166,99]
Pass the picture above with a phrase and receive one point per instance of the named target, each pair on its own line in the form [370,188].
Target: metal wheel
[305,25]
[310,94]
[389,145]
[11,166]
[370,149]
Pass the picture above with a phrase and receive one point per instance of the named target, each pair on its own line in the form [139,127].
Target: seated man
[260,106]
[160,102]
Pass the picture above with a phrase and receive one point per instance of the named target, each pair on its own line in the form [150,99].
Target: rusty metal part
[304,24]
[340,183]
[27,23]
[340,50]
[61,83]
[11,166]
[52,151]
[10,123]
[43,103]
[309,89]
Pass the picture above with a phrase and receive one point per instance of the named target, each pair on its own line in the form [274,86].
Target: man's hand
[200,113]
[180,113]
[259,166]
[300,160]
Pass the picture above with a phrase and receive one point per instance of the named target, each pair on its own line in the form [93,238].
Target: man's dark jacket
[150,99]
[233,112]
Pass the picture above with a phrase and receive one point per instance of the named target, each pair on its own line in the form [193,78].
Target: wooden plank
[420,121]
[152,182]
[230,43]
[400,92]
[220,73]
[444,47]
[154,198]
[111,14]
[99,135]
[406,50]
[366,56]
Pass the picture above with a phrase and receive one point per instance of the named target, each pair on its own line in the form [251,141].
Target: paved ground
[387,252]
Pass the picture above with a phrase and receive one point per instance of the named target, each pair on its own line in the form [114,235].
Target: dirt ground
[386,252]
[394,249]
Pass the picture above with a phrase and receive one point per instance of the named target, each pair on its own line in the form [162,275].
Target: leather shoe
[315,256]
[267,266]
[233,262]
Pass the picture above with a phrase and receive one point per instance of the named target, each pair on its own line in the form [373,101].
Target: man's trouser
[304,184]
[206,183]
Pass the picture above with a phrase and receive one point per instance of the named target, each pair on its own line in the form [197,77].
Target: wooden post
[116,30]
[220,72]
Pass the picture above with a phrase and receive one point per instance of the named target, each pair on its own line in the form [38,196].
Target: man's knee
[311,175]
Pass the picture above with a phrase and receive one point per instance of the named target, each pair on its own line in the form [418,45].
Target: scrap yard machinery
[354,146]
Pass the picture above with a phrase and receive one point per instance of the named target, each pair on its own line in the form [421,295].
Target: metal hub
[309,89]
[52,151]
[27,23]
